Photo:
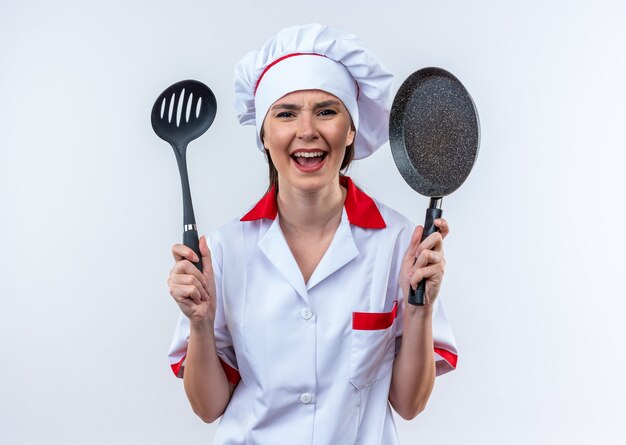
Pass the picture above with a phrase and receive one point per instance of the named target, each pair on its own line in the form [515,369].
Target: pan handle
[416,296]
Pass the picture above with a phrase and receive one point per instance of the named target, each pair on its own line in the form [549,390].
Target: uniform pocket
[373,346]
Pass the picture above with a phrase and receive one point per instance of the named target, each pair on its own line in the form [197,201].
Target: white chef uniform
[312,361]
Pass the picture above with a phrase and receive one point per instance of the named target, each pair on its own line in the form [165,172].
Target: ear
[262,133]
[350,136]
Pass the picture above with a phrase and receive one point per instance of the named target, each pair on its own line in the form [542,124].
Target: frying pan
[434,134]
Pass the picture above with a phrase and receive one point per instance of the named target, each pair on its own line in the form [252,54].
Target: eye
[284,114]
[327,112]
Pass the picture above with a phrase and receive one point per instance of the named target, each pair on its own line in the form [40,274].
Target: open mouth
[309,159]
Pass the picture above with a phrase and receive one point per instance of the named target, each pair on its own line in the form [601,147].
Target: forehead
[306,97]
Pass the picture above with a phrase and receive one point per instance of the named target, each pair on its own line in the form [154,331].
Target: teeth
[303,154]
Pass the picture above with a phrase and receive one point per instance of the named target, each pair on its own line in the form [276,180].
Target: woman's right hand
[194,292]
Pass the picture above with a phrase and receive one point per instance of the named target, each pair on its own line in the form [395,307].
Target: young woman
[298,330]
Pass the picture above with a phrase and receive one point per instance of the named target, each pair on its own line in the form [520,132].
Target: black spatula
[183,112]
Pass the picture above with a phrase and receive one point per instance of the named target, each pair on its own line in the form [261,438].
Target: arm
[205,381]
[413,375]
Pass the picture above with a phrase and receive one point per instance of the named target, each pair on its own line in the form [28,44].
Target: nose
[306,127]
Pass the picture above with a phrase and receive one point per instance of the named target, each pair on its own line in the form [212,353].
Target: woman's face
[306,133]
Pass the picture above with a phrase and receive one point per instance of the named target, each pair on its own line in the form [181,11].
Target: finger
[433,272]
[185,267]
[415,240]
[177,292]
[207,268]
[188,279]
[428,257]
[434,241]
[183,293]
[193,293]
[443,226]
[182,252]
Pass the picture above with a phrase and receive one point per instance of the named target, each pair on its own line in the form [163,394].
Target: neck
[318,211]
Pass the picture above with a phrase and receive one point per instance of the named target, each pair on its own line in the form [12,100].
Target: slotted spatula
[181,113]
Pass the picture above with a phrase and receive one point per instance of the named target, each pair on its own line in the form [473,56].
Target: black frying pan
[434,133]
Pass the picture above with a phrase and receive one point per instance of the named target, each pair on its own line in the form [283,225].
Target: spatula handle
[190,239]
[416,296]
[190,232]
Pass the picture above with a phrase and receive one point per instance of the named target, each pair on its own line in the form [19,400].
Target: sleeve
[444,345]
[223,340]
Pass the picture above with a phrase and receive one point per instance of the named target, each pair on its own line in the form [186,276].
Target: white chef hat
[317,57]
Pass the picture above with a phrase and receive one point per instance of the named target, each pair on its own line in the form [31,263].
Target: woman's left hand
[430,262]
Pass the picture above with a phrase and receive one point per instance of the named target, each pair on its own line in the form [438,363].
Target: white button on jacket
[325,380]
[306,398]
[306,313]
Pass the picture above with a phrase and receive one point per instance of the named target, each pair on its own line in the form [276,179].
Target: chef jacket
[312,362]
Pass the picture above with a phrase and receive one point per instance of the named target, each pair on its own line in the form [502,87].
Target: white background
[90,206]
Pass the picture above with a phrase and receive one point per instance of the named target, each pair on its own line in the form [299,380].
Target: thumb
[207,269]
[416,239]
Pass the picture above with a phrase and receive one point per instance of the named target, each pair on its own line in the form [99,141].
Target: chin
[313,183]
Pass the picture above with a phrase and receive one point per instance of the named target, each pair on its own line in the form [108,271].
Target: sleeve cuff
[232,375]
[448,362]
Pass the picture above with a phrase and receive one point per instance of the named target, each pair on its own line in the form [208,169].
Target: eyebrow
[294,107]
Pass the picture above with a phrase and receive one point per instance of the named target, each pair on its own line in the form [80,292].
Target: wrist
[419,312]
[201,327]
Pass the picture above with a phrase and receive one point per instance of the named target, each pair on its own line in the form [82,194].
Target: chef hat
[317,57]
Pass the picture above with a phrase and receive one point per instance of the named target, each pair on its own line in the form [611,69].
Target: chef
[298,330]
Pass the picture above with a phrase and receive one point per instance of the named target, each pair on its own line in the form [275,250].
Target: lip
[307,150]
[310,169]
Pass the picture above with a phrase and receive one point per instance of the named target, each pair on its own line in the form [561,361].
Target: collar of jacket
[360,208]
